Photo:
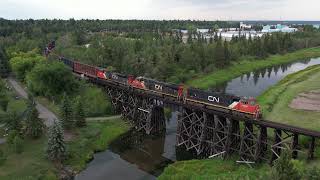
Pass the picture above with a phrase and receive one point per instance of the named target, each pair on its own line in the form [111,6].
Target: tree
[284,169]
[56,147]
[22,63]
[219,55]
[4,65]
[4,100]
[51,79]
[34,125]
[66,113]
[79,114]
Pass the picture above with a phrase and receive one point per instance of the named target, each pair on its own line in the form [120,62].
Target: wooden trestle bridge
[209,131]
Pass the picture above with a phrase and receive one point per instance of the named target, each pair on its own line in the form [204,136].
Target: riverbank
[276,101]
[95,137]
[212,169]
[246,66]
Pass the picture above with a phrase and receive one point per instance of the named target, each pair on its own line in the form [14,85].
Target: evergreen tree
[4,100]
[4,65]
[226,52]
[219,56]
[79,115]
[66,113]
[34,125]
[56,149]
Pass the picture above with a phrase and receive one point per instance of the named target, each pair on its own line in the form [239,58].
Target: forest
[148,48]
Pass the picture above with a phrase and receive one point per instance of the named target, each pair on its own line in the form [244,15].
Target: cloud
[162,9]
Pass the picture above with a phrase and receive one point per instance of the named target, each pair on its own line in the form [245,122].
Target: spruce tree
[4,65]
[56,149]
[79,115]
[66,113]
[34,125]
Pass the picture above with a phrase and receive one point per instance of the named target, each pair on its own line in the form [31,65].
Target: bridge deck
[205,107]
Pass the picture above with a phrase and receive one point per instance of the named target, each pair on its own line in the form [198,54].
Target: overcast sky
[162,9]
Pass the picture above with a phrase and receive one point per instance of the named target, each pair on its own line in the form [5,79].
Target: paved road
[44,113]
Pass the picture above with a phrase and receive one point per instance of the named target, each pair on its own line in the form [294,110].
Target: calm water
[137,156]
[254,83]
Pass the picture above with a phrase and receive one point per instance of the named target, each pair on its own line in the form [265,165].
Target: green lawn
[95,137]
[275,101]
[30,164]
[245,66]
[212,169]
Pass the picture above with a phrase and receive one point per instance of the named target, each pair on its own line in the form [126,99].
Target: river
[137,156]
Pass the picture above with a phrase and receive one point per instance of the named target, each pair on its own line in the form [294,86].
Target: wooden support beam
[276,151]
[294,147]
[311,148]
[261,145]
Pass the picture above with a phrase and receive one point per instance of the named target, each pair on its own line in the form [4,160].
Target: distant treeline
[149,48]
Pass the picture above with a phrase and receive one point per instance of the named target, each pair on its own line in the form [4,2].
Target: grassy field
[30,164]
[212,169]
[245,66]
[275,101]
[95,137]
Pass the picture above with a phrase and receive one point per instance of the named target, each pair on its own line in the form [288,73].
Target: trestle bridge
[208,130]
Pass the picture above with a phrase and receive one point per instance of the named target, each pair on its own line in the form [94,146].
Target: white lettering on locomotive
[114,76]
[158,87]
[213,99]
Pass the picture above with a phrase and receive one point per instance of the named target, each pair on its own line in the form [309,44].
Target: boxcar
[212,97]
[67,62]
[121,78]
[85,69]
[162,87]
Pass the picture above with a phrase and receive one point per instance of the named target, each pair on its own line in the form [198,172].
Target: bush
[312,174]
[95,101]
[285,169]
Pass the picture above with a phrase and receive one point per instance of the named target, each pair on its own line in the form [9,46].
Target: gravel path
[44,113]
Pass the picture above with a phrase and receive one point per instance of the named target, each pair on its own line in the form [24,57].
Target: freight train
[231,103]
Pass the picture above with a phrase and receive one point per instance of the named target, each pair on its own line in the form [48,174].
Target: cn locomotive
[233,104]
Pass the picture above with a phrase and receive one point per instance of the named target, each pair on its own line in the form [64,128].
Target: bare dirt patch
[69,135]
[307,101]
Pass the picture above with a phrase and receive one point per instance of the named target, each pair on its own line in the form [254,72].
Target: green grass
[212,169]
[93,138]
[275,101]
[246,66]
[30,164]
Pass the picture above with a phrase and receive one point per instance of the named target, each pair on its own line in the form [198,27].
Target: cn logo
[158,87]
[114,76]
[213,99]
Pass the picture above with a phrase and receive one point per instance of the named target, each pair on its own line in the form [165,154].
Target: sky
[162,9]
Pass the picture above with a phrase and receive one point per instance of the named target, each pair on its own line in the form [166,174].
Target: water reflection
[254,83]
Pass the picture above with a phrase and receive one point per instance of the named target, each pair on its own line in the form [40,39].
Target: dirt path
[307,101]
[44,113]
